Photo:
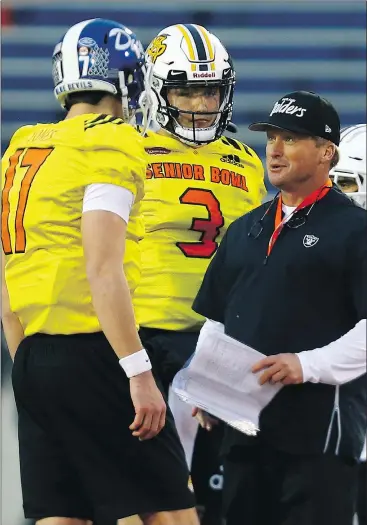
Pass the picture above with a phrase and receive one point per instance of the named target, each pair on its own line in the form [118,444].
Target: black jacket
[311,291]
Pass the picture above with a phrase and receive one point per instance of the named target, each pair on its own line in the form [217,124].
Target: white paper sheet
[219,379]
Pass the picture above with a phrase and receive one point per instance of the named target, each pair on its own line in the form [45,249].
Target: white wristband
[136,363]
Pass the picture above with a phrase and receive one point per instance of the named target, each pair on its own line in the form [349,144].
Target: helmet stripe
[187,35]
[357,129]
[200,48]
[70,58]
[209,46]
[205,35]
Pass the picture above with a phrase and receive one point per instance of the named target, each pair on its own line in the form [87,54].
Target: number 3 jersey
[45,172]
[191,197]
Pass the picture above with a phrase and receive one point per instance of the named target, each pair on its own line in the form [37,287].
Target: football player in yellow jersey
[87,401]
[197,183]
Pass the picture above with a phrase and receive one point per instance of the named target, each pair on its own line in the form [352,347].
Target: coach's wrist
[136,363]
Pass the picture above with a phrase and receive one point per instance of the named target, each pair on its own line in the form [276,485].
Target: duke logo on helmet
[103,55]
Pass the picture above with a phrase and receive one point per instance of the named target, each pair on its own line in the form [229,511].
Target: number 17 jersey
[192,195]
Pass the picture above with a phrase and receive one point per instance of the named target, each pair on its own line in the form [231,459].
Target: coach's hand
[281,368]
[150,407]
[205,420]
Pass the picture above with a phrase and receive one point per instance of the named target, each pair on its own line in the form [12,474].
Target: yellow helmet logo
[157,47]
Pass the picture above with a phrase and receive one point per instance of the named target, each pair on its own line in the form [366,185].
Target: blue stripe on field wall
[295,84]
[239,117]
[242,84]
[162,6]
[11,50]
[26,82]
[281,67]
[300,53]
[270,18]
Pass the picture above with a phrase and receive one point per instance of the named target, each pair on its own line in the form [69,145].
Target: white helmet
[351,168]
[186,55]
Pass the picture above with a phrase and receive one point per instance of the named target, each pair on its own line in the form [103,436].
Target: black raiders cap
[306,113]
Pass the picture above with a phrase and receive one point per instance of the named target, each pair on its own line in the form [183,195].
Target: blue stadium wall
[276,47]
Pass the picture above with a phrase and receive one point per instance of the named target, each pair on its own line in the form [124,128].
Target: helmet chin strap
[193,135]
[124,97]
[147,100]
[196,135]
[201,135]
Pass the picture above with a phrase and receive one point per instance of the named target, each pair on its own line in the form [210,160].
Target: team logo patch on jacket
[309,241]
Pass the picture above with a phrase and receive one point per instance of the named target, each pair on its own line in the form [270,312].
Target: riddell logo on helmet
[204,75]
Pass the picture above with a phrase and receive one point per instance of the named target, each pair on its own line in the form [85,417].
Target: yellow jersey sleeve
[191,197]
[45,172]
[116,154]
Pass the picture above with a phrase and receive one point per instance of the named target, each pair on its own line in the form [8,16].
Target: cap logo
[327,129]
[286,105]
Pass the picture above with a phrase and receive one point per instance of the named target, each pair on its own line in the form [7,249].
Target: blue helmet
[101,55]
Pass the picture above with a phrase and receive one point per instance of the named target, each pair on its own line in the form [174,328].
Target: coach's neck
[295,193]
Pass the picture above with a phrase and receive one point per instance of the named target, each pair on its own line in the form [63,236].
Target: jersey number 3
[33,160]
[209,228]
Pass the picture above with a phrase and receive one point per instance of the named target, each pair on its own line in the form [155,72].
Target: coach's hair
[87,97]
[336,157]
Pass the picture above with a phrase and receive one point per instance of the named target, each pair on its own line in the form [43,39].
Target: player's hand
[205,420]
[150,407]
[281,368]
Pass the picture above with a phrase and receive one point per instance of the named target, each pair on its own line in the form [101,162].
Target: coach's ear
[103,234]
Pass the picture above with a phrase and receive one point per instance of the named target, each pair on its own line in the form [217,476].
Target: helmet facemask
[188,57]
[351,184]
[350,172]
[168,115]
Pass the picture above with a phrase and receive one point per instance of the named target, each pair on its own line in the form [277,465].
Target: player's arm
[13,330]
[104,235]
[104,242]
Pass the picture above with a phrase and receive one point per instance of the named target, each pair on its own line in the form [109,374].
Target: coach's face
[291,158]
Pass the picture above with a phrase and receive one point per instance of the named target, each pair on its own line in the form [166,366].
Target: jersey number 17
[33,160]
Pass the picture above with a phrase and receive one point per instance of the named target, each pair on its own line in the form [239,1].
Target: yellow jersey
[191,197]
[45,171]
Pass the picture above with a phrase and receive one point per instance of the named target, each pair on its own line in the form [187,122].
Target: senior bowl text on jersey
[198,192]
